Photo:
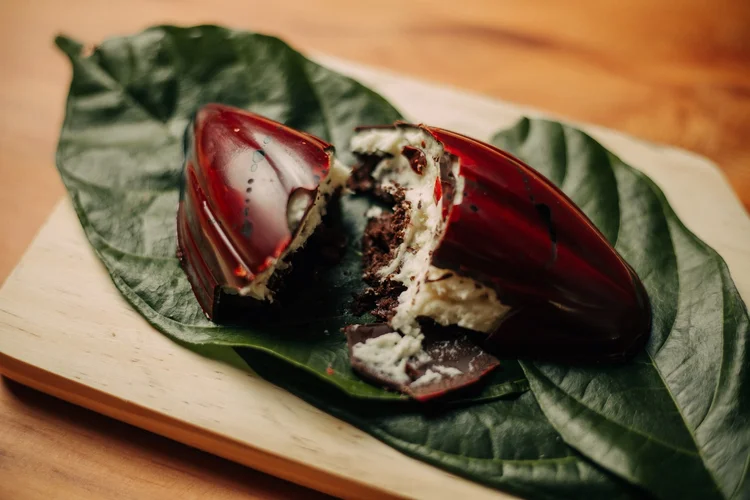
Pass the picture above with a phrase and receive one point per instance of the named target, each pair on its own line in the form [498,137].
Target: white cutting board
[65,329]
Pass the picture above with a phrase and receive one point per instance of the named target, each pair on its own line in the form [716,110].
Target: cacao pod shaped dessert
[482,243]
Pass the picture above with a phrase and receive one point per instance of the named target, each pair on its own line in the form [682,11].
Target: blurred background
[669,71]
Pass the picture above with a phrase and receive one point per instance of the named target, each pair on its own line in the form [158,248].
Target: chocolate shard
[251,187]
[445,363]
[360,334]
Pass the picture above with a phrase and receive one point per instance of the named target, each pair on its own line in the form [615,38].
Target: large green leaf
[506,443]
[120,156]
[676,420]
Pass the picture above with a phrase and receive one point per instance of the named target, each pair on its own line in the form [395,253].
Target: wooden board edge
[210,442]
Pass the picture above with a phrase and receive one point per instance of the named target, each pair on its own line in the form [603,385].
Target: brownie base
[361,181]
[382,238]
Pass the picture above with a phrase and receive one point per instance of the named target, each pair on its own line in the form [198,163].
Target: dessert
[480,242]
[478,257]
[253,192]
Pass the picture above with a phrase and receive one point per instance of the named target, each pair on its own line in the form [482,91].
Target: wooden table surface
[672,71]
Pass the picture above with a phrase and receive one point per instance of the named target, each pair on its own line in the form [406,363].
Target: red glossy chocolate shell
[240,171]
[573,296]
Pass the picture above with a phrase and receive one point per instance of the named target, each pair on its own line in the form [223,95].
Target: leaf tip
[70,47]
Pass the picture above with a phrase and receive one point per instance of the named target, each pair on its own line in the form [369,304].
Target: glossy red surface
[240,171]
[573,296]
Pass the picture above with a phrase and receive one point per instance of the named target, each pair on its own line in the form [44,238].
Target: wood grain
[91,348]
[52,449]
[670,71]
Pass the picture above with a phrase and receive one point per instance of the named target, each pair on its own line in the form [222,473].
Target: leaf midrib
[122,90]
[318,100]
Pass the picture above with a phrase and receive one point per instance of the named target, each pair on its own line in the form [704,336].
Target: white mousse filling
[439,294]
[388,355]
[457,300]
[304,218]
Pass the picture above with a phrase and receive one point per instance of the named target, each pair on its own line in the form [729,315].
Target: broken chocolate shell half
[492,246]
[253,191]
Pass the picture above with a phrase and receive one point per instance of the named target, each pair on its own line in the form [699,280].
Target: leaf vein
[584,407]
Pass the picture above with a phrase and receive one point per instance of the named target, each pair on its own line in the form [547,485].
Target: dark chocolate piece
[447,351]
